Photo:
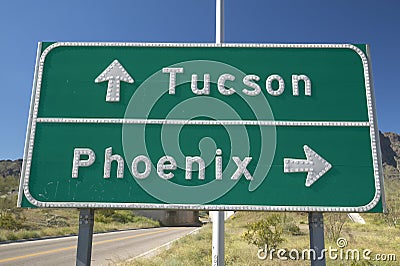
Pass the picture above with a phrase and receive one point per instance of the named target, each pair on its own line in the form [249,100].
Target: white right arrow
[315,165]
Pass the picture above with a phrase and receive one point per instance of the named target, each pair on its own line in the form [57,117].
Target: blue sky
[24,23]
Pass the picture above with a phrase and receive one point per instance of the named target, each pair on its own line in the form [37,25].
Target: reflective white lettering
[241,168]
[147,164]
[281,86]
[189,166]
[108,159]
[162,166]
[248,81]
[221,84]
[172,77]
[77,162]
[206,85]
[295,84]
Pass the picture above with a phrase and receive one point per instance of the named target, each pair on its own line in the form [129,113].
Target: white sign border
[33,119]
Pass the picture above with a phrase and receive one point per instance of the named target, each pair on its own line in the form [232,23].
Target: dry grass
[38,223]
[196,249]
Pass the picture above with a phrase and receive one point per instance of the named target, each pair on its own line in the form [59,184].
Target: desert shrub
[10,235]
[8,184]
[123,216]
[118,216]
[267,231]
[10,221]
[8,202]
[334,223]
[289,225]
[103,216]
[24,234]
[292,228]
[392,215]
[54,220]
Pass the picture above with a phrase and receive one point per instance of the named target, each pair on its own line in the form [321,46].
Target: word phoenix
[164,167]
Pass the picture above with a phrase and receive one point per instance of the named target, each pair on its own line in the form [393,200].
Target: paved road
[107,248]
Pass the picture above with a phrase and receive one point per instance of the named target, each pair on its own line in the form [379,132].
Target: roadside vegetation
[21,223]
[195,249]
[17,223]
[248,232]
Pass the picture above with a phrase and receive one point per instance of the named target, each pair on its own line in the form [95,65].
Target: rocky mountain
[390,146]
[10,168]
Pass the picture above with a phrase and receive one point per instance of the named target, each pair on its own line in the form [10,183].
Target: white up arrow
[315,165]
[114,74]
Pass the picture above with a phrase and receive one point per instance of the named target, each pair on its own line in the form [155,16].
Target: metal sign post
[85,237]
[218,219]
[316,227]
[218,238]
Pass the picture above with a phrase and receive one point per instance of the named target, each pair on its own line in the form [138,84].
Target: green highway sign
[276,127]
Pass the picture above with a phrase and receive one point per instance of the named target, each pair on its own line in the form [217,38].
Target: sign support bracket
[85,237]
[316,227]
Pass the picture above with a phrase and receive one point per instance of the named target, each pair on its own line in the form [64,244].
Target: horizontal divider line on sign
[203,122]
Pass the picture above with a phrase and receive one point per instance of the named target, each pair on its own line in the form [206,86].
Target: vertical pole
[316,226]
[85,237]
[219,21]
[218,245]
[218,219]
